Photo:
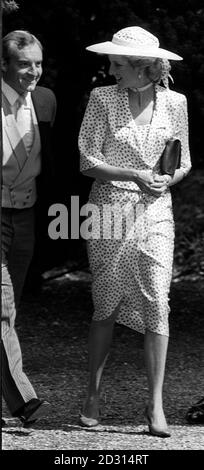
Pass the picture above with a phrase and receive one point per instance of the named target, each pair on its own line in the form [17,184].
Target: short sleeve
[92,132]
[183,135]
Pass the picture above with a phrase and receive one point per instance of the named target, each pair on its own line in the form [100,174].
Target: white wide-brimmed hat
[133,41]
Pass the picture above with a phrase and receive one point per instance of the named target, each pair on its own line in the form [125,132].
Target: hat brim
[110,48]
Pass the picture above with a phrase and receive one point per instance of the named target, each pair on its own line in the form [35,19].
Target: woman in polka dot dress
[122,137]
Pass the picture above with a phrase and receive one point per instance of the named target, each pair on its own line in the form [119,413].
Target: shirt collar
[12,95]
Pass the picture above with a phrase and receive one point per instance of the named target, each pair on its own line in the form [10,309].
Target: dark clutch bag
[171,157]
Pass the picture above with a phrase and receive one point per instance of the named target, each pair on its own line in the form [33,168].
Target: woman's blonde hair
[152,67]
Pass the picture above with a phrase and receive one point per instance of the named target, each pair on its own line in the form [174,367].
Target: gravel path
[102,438]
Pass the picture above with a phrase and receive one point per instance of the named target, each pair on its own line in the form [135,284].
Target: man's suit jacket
[44,102]
[45,108]
[15,159]
[19,170]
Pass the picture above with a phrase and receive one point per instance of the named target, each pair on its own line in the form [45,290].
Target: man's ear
[4,65]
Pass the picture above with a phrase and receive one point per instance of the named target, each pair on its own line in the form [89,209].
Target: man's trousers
[17,235]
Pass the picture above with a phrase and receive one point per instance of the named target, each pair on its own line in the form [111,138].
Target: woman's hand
[160,184]
[149,183]
[144,179]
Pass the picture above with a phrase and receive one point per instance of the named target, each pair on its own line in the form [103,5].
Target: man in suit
[28,114]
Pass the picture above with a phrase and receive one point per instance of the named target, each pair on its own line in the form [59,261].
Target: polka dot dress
[131,257]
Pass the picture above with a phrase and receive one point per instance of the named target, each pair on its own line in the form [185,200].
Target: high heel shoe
[91,406]
[88,422]
[153,430]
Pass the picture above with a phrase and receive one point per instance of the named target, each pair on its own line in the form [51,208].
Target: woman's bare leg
[100,337]
[155,356]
